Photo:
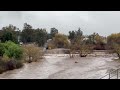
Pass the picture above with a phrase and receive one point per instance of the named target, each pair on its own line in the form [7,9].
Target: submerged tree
[113,43]
[99,42]
[79,44]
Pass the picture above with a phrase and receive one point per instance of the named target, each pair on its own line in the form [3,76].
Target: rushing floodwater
[62,67]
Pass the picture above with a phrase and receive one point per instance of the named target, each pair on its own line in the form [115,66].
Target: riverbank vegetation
[13,54]
[32,53]
[114,43]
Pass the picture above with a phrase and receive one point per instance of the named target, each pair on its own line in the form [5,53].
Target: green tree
[9,33]
[74,35]
[53,32]
[71,35]
[41,36]
[27,34]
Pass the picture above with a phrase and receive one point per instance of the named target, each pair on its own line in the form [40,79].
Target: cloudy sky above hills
[102,22]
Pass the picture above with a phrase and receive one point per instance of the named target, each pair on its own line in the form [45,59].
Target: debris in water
[76,62]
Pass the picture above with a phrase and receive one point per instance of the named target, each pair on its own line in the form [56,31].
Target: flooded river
[55,66]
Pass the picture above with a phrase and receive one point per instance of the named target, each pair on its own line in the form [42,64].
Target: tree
[81,47]
[113,43]
[79,44]
[40,36]
[61,41]
[79,33]
[91,38]
[99,42]
[84,49]
[9,33]
[73,35]
[27,34]
[116,49]
[53,32]
[113,38]
[49,36]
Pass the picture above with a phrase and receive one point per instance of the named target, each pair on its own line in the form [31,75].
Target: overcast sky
[102,22]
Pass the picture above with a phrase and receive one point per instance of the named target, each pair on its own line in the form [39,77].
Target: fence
[112,75]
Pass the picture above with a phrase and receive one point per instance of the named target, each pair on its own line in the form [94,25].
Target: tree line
[40,36]
[75,40]
[27,35]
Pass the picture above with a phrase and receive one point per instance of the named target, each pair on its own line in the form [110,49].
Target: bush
[32,52]
[2,69]
[116,49]
[2,66]
[11,65]
[113,43]
[2,49]
[84,50]
[11,55]
[61,41]
[19,64]
[13,50]
[51,46]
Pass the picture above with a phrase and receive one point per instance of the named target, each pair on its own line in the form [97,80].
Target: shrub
[32,52]
[61,41]
[5,58]
[19,64]
[2,49]
[116,49]
[113,43]
[11,65]
[11,55]
[13,50]
[2,69]
[51,46]
[2,66]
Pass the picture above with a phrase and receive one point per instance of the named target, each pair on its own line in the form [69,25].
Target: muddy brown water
[60,66]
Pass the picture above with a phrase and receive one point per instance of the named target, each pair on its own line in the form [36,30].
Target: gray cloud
[103,22]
